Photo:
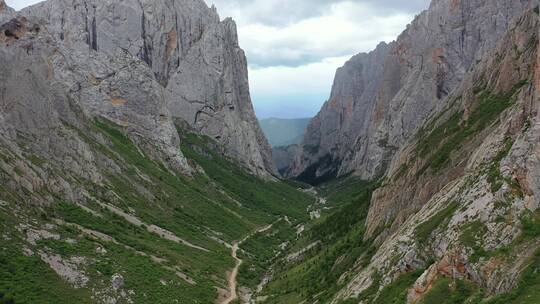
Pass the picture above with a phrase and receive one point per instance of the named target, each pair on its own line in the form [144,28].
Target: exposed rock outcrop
[456,192]
[6,12]
[200,72]
[284,157]
[210,91]
[48,87]
[380,99]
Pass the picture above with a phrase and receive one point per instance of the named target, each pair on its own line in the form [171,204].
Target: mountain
[197,67]
[284,136]
[434,139]
[379,100]
[131,160]
[284,132]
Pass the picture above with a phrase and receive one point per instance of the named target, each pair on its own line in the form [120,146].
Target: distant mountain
[284,132]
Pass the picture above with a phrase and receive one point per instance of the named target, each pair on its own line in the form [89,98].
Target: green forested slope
[95,242]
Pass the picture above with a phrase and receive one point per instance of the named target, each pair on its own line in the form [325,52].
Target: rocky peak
[193,55]
[377,104]
[6,12]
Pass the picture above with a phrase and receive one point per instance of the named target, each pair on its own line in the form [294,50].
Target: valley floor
[232,277]
[143,235]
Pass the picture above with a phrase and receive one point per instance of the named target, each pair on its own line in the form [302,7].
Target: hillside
[144,234]
[452,215]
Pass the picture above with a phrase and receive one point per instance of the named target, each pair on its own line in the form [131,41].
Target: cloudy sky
[294,47]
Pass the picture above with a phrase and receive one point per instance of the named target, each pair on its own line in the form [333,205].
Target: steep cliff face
[283,157]
[107,196]
[456,218]
[195,59]
[47,87]
[464,191]
[348,110]
[380,99]
[210,91]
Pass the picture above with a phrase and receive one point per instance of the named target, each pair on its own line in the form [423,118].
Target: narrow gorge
[133,168]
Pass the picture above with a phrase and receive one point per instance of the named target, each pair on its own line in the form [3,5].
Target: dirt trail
[232,276]
[231,279]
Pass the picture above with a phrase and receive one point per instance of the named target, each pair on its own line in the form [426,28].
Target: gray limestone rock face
[160,32]
[197,65]
[415,193]
[284,157]
[6,12]
[210,91]
[347,111]
[117,281]
[380,99]
[48,91]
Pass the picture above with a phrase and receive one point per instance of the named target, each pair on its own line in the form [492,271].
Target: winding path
[232,276]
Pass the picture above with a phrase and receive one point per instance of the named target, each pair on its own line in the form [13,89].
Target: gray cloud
[283,12]
[295,33]
[407,6]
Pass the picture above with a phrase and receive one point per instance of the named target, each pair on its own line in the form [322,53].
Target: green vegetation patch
[528,289]
[472,236]
[394,293]
[195,263]
[228,200]
[446,291]
[263,198]
[36,160]
[424,230]
[530,225]
[26,279]
[450,135]
[355,197]
[495,177]
[323,270]
[260,251]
